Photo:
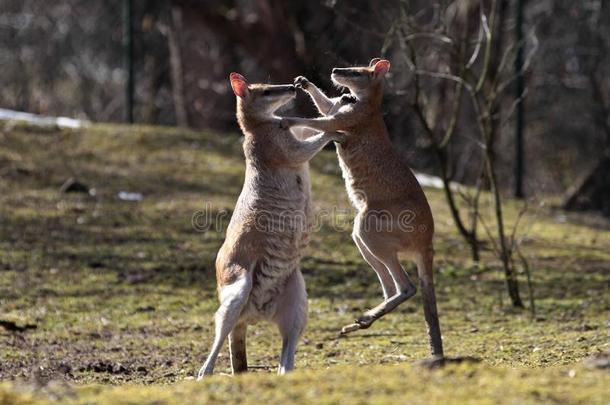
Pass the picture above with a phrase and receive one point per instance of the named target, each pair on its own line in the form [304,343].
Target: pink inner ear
[239,84]
[382,67]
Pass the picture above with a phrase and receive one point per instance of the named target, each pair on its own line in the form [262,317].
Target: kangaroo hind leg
[385,278]
[291,318]
[237,346]
[403,286]
[426,277]
[233,298]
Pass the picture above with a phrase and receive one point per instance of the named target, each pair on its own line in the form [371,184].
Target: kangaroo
[393,212]
[257,267]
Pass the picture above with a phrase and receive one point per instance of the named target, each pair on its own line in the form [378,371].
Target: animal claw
[350,328]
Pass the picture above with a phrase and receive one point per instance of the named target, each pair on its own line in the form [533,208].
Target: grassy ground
[114,292]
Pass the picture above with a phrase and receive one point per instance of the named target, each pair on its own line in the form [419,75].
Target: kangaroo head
[260,99]
[363,81]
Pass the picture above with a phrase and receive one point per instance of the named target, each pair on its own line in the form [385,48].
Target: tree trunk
[177,73]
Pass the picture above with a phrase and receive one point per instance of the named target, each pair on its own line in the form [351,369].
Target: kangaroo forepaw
[301,82]
[348,99]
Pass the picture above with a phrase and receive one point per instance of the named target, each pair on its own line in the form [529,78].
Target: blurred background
[74,57]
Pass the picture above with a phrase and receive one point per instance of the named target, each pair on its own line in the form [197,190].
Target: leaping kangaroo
[393,212]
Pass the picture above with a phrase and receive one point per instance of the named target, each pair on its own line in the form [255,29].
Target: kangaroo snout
[287,88]
[346,72]
[340,71]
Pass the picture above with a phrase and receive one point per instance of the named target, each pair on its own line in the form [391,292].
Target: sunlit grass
[132,285]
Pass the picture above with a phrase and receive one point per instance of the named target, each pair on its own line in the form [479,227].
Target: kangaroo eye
[266,92]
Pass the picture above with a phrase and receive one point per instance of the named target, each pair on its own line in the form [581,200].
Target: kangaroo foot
[370,316]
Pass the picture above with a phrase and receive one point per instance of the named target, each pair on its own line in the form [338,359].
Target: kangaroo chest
[357,173]
[280,209]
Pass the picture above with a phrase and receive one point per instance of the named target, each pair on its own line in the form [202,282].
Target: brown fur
[382,187]
[257,267]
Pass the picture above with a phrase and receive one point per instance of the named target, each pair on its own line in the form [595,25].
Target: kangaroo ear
[239,84]
[381,67]
[374,61]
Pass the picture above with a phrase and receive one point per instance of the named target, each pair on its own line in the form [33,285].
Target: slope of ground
[99,289]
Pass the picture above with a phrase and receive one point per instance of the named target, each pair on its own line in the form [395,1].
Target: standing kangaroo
[257,268]
[393,212]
